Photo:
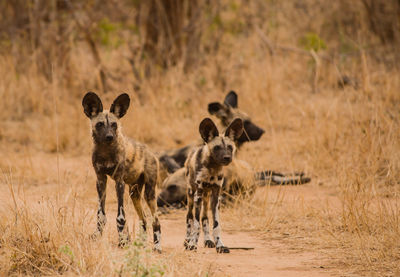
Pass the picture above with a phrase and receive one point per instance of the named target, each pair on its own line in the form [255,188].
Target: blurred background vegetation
[153,36]
[171,52]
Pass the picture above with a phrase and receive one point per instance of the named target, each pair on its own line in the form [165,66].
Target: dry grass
[347,139]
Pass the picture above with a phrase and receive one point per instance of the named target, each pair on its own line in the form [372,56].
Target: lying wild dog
[125,161]
[204,178]
[238,173]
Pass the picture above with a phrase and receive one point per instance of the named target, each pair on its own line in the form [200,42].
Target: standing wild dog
[205,178]
[125,161]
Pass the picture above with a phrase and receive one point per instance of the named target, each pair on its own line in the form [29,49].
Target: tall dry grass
[50,237]
[345,138]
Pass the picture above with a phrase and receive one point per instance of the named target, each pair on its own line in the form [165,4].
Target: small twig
[316,70]
[241,248]
[266,41]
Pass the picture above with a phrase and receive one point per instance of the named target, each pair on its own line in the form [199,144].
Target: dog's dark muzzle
[227,160]
[251,132]
[109,138]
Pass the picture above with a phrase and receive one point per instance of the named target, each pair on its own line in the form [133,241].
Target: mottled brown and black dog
[204,178]
[125,161]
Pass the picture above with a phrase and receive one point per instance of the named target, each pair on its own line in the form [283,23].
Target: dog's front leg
[198,200]
[215,193]
[189,216]
[122,232]
[101,185]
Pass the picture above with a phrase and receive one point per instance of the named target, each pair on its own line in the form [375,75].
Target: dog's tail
[158,181]
[275,178]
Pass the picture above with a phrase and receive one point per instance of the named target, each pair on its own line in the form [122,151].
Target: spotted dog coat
[205,178]
[125,161]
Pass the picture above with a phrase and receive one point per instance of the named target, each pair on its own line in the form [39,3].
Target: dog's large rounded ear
[208,130]
[231,99]
[215,107]
[92,105]
[235,129]
[120,105]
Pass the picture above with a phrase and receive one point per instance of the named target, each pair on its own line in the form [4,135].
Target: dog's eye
[114,125]
[230,147]
[217,147]
[99,125]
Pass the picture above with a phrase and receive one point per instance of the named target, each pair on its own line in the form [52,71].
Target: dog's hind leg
[150,196]
[135,192]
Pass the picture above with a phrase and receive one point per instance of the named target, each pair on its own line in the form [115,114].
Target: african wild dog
[125,161]
[205,178]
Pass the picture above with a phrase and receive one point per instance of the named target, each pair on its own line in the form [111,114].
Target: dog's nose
[227,159]
[109,137]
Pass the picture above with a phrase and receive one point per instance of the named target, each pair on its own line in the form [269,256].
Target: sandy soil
[269,258]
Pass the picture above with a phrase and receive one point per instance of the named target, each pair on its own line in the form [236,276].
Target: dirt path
[269,258]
